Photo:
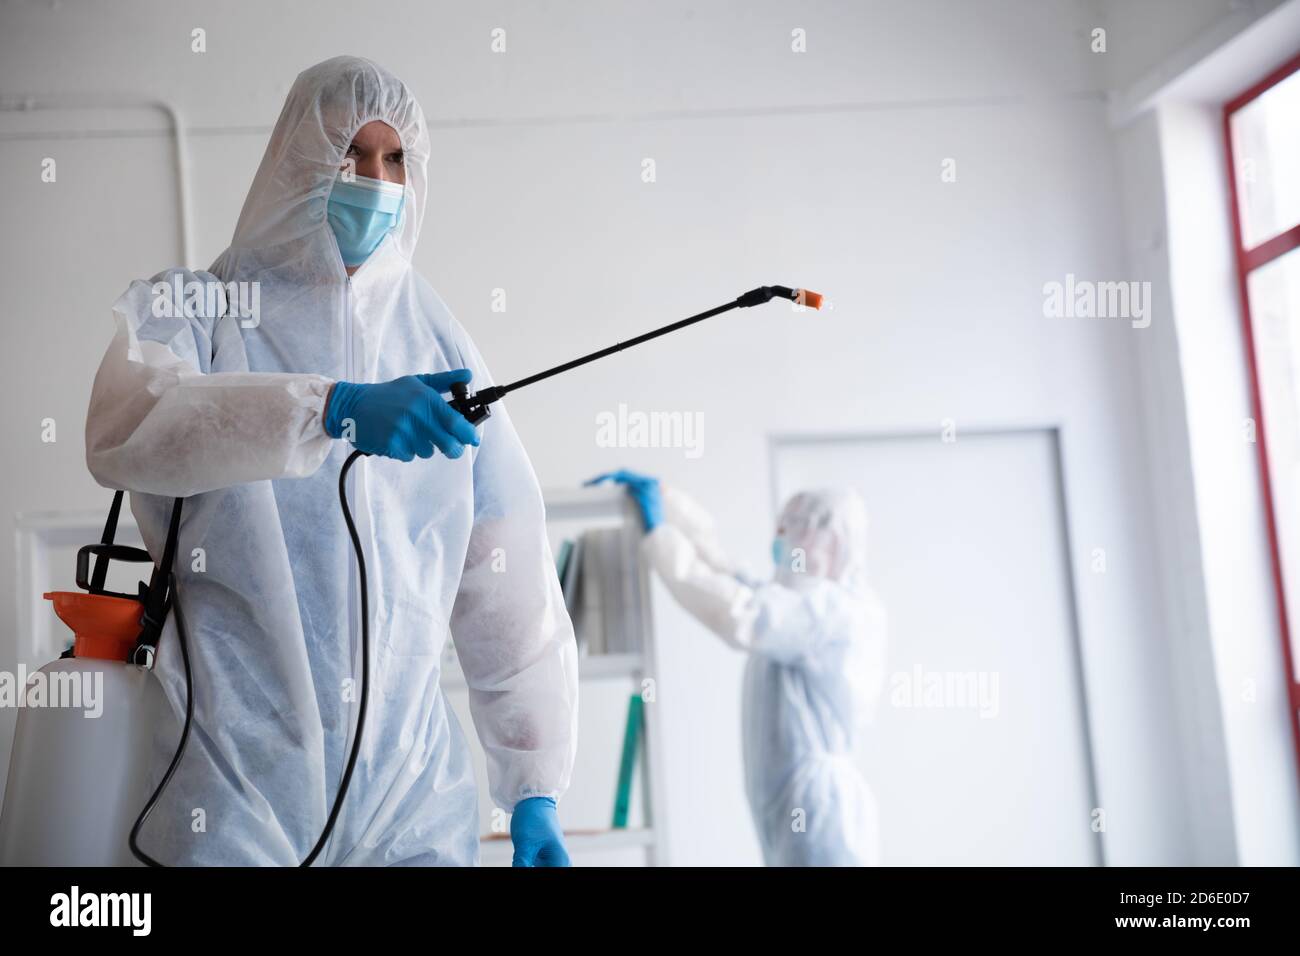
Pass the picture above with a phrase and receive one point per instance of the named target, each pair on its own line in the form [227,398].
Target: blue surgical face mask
[778,551]
[361,211]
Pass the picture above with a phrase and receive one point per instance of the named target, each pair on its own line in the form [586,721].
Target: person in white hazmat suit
[242,415]
[815,639]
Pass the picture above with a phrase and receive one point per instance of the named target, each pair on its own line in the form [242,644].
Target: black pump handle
[103,554]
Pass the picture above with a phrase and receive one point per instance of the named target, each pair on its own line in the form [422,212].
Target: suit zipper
[353,598]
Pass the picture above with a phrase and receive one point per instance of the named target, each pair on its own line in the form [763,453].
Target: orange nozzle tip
[809,298]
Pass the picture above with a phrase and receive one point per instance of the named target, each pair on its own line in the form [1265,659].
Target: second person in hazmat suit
[249,413]
[815,639]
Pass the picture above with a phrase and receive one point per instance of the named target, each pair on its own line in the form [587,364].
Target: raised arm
[787,623]
[694,521]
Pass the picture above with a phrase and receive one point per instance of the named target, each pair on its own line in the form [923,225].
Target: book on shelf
[627,765]
[607,606]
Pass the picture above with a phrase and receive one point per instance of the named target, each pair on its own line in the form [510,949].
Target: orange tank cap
[106,628]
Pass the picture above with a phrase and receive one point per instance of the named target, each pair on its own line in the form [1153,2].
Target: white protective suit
[815,636]
[231,417]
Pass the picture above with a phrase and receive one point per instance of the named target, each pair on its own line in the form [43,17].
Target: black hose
[140,855]
[365,662]
[189,694]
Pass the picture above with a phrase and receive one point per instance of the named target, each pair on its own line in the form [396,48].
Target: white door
[979,753]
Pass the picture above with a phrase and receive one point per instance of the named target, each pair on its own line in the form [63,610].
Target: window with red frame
[1262,128]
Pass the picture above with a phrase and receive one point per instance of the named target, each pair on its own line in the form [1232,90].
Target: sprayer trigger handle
[465,403]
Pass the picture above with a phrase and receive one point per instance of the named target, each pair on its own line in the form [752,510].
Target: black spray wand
[475,407]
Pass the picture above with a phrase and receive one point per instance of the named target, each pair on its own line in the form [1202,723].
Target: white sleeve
[161,422]
[509,623]
[718,600]
[694,521]
[771,620]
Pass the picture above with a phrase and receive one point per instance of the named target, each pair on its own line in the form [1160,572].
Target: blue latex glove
[535,830]
[644,491]
[403,419]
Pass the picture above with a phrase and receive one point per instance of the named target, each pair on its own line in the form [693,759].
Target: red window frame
[1248,260]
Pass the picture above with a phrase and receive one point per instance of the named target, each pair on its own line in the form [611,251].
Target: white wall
[1216,568]
[1242,604]
[820,169]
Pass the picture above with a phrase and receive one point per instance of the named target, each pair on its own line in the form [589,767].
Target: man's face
[376,152]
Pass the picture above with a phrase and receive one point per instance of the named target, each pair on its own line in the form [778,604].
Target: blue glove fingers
[442,381]
[524,856]
[424,448]
[622,477]
[453,424]
[456,431]
[552,854]
[651,504]
[432,430]
[644,491]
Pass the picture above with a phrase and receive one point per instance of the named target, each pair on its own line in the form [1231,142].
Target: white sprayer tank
[77,781]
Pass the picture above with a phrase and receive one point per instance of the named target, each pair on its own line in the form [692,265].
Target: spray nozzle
[767,293]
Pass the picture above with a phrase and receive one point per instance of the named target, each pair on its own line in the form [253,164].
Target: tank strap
[110,532]
[157,597]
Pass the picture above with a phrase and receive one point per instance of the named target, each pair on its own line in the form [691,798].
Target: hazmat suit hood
[829,529]
[326,106]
